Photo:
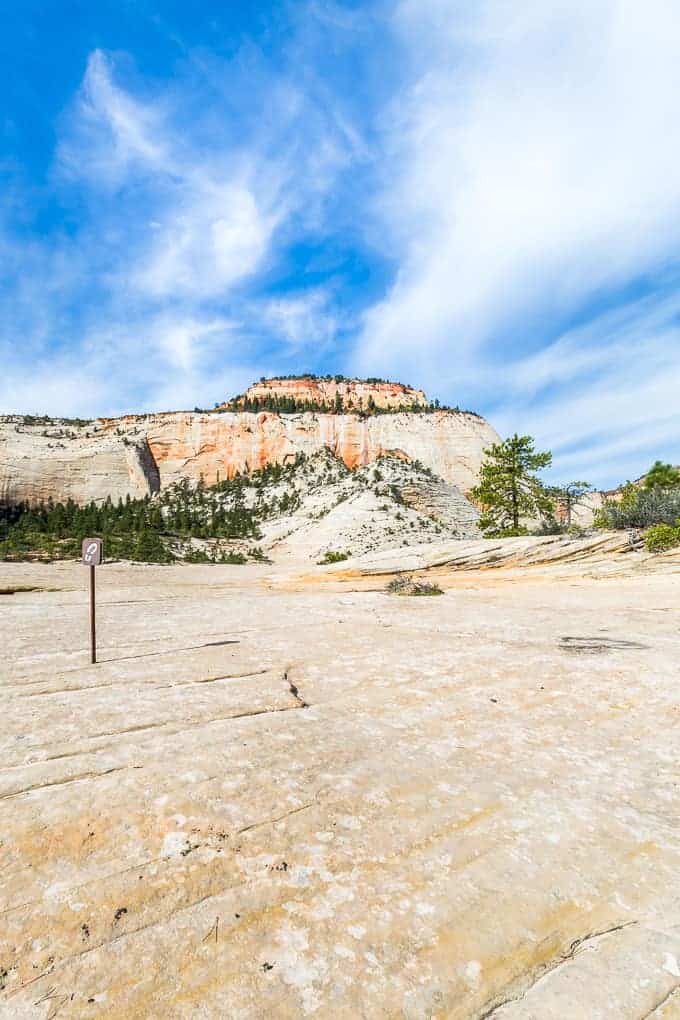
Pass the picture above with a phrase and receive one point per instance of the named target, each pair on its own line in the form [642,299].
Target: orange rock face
[354,393]
[220,445]
[137,455]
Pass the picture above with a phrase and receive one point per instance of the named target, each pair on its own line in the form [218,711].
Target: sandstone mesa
[138,455]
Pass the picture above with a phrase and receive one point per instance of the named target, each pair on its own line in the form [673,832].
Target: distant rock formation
[140,454]
[331,392]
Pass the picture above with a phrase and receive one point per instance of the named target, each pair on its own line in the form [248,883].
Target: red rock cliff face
[221,444]
[139,454]
[354,393]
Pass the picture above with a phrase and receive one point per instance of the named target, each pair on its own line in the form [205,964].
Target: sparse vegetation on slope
[652,505]
[332,394]
[641,507]
[291,405]
[316,502]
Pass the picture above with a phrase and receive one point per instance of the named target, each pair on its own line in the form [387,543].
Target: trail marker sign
[92,552]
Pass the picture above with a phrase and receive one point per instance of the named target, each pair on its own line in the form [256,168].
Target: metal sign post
[92,557]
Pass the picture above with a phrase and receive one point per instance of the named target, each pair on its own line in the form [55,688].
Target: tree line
[510,493]
[293,405]
[141,529]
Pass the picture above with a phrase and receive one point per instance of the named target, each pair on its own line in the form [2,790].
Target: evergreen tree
[662,476]
[570,496]
[508,489]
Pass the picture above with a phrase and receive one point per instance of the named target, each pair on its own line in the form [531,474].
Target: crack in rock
[280,818]
[594,645]
[294,691]
[549,968]
[661,1003]
[70,779]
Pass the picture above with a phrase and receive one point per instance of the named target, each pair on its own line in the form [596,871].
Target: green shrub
[408,586]
[550,526]
[233,557]
[640,508]
[662,537]
[508,533]
[197,556]
[256,553]
[332,557]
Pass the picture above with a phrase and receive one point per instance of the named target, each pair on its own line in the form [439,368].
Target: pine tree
[569,496]
[662,476]
[508,489]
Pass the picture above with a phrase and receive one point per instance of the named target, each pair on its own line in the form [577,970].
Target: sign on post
[92,552]
[92,556]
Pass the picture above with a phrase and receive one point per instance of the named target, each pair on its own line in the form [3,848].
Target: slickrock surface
[140,453]
[328,803]
[603,552]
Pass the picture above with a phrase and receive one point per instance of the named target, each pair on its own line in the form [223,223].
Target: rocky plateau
[138,455]
[353,394]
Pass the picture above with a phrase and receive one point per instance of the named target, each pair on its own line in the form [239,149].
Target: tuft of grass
[408,586]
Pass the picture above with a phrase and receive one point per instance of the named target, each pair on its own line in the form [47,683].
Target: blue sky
[480,199]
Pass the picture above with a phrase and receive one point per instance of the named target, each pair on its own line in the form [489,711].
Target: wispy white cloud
[208,216]
[602,397]
[528,174]
[212,236]
[166,363]
[108,134]
[150,300]
[515,163]
[301,320]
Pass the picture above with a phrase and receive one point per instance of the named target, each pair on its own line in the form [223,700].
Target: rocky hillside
[138,455]
[389,504]
[313,508]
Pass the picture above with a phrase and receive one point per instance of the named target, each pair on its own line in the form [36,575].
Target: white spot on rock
[345,952]
[349,822]
[473,971]
[173,844]
[671,965]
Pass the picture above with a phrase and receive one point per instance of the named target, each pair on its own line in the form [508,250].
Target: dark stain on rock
[597,645]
